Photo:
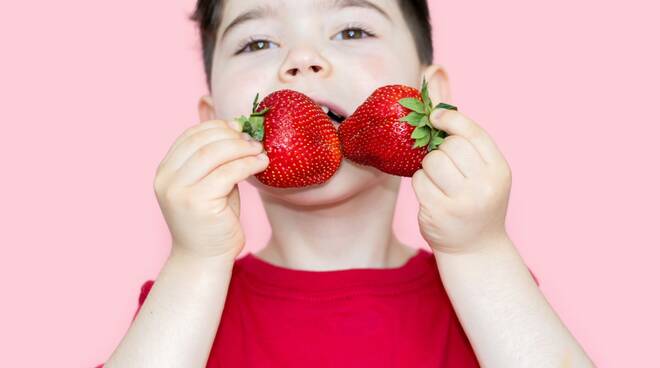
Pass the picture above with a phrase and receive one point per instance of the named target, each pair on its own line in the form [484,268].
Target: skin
[463,190]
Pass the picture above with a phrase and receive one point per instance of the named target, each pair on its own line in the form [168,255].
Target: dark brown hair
[208,14]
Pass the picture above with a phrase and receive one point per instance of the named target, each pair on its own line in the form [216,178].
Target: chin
[349,180]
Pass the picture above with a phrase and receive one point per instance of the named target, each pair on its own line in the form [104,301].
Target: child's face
[335,51]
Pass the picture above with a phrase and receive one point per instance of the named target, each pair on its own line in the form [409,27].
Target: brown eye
[257,46]
[352,34]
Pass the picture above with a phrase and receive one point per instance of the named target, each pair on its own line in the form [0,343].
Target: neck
[352,233]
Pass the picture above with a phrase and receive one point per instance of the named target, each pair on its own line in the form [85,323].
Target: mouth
[335,113]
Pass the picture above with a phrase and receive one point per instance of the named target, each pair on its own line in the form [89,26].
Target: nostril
[315,68]
[293,71]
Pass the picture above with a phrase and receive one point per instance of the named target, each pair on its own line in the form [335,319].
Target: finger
[215,154]
[454,122]
[463,155]
[193,143]
[222,180]
[425,190]
[442,171]
[235,125]
[193,130]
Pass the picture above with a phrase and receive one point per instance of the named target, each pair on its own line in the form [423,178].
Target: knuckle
[238,147]
[188,202]
[246,163]
[241,144]
[221,123]
[196,140]
[451,139]
[507,174]
[191,201]
[229,132]
[417,177]
[502,171]
[250,162]
[189,130]
[472,132]
[506,170]
[449,144]
[204,152]
[419,180]
[158,184]
[488,192]
[430,158]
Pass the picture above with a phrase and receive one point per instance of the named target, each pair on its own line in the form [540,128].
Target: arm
[196,187]
[463,189]
[504,314]
[178,321]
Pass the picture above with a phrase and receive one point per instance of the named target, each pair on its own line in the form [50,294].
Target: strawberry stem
[424,134]
[254,125]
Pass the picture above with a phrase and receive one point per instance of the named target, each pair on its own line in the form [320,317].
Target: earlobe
[206,109]
[438,81]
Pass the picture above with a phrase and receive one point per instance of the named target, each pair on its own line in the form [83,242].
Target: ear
[206,109]
[438,83]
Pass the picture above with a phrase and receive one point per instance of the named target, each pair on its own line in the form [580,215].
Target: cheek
[234,88]
[374,67]
[384,65]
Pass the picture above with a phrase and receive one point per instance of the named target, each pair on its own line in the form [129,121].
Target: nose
[303,61]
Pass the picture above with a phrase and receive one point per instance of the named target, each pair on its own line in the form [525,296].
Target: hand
[463,187]
[196,187]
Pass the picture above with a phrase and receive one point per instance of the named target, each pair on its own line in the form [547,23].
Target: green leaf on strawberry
[422,141]
[424,134]
[414,118]
[436,140]
[445,106]
[420,132]
[413,104]
[254,125]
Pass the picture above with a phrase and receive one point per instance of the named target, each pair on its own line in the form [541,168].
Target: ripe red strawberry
[298,137]
[391,130]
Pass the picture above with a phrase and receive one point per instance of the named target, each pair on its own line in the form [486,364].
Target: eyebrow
[340,4]
[265,11]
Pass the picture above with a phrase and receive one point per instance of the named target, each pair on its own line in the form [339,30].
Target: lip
[336,109]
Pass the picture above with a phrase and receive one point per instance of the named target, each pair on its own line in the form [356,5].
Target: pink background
[93,94]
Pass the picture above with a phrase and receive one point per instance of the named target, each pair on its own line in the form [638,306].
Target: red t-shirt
[395,317]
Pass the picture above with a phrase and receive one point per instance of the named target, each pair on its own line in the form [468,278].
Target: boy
[334,287]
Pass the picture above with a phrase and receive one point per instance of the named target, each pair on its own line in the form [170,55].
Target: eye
[352,33]
[256,45]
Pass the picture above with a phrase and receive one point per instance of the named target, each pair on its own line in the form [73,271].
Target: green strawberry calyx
[425,134]
[254,125]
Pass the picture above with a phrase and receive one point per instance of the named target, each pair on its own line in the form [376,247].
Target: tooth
[325,109]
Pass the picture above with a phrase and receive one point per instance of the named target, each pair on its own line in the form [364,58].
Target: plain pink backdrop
[93,94]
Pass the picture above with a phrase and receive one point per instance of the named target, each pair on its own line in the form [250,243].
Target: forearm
[178,321]
[504,314]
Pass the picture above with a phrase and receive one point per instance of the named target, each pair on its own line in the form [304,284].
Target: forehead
[234,8]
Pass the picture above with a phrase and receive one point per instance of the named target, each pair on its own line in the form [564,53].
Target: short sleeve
[144,291]
[459,349]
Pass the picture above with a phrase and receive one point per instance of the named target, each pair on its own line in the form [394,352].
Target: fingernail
[262,156]
[246,136]
[436,113]
[255,143]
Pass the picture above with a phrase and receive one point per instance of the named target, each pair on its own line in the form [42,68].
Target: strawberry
[298,137]
[391,130]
